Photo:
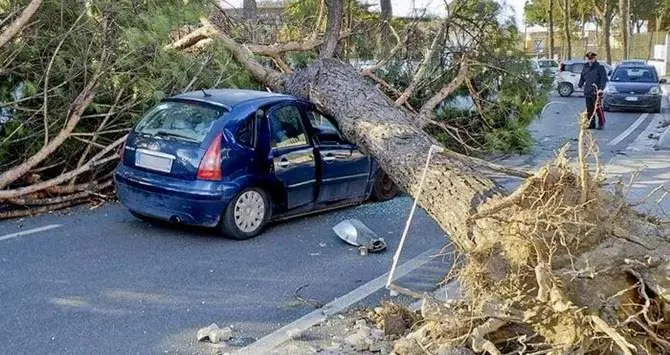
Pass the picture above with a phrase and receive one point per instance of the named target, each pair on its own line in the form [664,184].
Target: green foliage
[301,22]
[509,93]
[122,40]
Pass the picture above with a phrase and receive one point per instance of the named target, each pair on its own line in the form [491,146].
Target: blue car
[238,159]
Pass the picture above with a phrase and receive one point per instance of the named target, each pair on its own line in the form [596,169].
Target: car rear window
[636,74]
[179,120]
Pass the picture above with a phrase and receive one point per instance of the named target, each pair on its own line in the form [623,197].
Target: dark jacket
[593,74]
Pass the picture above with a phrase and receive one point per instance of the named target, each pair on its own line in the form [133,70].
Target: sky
[404,7]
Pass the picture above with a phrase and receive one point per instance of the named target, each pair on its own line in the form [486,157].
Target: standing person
[592,74]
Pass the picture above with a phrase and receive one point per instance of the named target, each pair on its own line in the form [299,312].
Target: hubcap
[564,89]
[249,211]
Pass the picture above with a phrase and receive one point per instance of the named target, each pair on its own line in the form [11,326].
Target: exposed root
[620,341]
[563,262]
[480,344]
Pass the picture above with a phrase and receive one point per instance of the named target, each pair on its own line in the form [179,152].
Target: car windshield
[638,75]
[179,121]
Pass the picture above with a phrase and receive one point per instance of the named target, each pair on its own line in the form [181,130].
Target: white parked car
[545,66]
[569,72]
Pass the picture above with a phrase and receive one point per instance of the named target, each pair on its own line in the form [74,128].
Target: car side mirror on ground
[663,81]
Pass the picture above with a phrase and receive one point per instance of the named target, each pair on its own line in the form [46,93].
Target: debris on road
[308,301]
[355,233]
[214,334]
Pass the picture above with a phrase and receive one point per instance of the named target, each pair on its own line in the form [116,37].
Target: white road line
[628,131]
[30,231]
[266,344]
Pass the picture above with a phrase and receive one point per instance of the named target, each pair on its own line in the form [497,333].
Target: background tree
[385,38]
[605,11]
[624,16]
[567,28]
[550,26]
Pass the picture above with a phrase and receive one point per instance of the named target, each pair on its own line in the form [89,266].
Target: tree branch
[79,105]
[427,110]
[333,26]
[192,38]
[272,78]
[418,76]
[96,160]
[21,21]
[399,44]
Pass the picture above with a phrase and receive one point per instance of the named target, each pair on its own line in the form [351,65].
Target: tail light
[210,166]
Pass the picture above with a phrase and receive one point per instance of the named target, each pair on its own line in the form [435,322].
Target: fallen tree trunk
[453,189]
[551,260]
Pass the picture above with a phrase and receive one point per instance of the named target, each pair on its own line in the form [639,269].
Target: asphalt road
[558,126]
[106,283]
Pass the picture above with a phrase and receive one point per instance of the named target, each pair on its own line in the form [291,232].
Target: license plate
[153,161]
[631,98]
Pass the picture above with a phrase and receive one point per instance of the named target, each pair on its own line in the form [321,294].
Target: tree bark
[607,34]
[383,41]
[551,29]
[605,13]
[249,9]
[453,189]
[567,29]
[333,26]
[624,15]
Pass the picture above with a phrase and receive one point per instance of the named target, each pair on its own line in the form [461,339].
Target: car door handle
[283,162]
[328,157]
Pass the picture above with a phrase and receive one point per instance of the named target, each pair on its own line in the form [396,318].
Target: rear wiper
[177,135]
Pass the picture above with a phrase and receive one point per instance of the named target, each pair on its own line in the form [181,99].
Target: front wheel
[246,214]
[657,109]
[565,89]
[384,188]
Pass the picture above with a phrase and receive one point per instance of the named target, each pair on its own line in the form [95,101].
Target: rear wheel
[565,89]
[246,214]
[384,188]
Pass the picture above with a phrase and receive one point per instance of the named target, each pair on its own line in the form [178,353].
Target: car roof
[636,65]
[573,61]
[230,98]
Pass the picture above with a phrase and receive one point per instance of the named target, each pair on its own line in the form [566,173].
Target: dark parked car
[237,159]
[633,86]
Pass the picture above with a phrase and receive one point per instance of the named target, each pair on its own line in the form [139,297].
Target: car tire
[565,89]
[247,214]
[384,188]
[658,109]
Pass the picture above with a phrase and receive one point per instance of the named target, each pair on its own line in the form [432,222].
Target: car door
[574,73]
[292,155]
[343,170]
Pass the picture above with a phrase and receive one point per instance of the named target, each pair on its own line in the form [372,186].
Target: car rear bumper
[165,201]
[643,101]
